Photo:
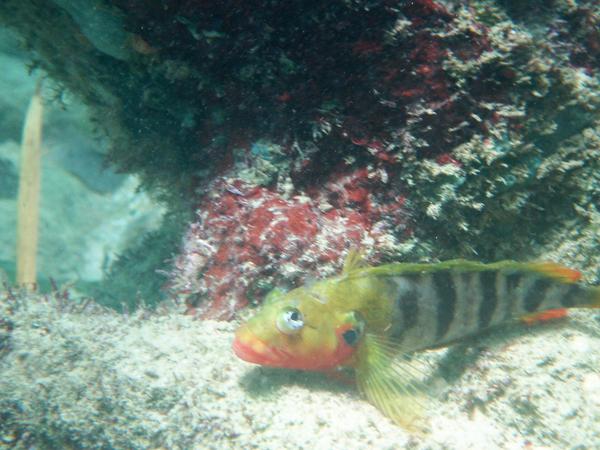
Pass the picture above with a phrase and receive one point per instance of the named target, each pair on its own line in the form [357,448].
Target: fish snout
[248,347]
[251,348]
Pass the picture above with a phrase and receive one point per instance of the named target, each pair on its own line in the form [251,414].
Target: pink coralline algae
[249,239]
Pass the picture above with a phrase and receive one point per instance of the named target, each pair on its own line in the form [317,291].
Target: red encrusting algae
[249,239]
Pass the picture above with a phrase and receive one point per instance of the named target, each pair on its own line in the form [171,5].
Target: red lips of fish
[249,348]
[245,351]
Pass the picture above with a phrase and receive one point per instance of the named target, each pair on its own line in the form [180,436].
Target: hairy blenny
[369,316]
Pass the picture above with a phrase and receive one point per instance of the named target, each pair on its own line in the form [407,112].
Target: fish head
[297,330]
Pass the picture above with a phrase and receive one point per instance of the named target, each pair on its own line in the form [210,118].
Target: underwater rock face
[483,116]
[103,26]
[249,239]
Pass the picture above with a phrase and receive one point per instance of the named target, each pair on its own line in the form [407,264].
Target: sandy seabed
[73,378]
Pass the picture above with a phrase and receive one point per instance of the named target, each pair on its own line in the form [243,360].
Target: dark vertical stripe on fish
[466,278]
[489,299]
[512,285]
[470,300]
[445,290]
[408,302]
[536,293]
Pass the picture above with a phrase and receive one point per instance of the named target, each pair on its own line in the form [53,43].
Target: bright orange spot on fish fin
[543,316]
[557,271]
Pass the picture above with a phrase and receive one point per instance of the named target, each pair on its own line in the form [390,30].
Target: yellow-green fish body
[367,316]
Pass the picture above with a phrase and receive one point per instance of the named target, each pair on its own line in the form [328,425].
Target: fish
[371,319]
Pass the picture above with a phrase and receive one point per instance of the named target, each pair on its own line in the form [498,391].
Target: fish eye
[351,337]
[290,321]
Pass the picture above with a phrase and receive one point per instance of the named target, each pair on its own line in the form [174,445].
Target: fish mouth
[244,350]
[249,348]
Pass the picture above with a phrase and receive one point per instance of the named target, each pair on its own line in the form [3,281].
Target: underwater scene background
[195,156]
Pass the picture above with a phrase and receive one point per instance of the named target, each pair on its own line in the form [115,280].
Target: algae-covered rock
[417,130]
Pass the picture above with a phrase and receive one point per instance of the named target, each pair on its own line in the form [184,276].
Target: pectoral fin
[394,385]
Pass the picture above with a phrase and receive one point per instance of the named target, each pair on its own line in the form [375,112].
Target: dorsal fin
[557,271]
[354,260]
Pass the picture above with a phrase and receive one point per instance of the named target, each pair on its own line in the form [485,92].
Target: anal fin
[544,316]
